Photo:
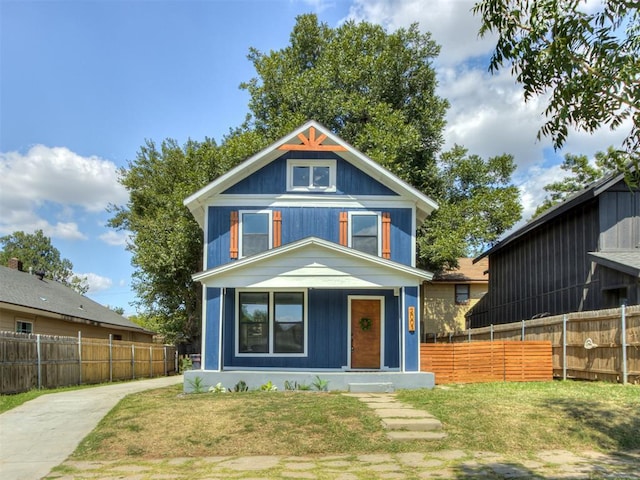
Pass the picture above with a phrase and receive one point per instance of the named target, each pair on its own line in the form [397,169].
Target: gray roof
[627,261]
[588,193]
[25,290]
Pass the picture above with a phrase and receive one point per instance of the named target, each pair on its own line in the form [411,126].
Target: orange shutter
[386,235]
[277,228]
[343,229]
[233,247]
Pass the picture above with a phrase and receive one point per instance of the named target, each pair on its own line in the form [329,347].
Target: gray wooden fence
[29,361]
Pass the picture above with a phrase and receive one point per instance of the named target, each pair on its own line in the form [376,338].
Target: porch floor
[369,381]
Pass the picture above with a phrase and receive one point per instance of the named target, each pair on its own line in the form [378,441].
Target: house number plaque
[412,319]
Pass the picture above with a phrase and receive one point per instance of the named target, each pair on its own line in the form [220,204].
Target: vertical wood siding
[301,222]
[546,272]
[272,178]
[327,332]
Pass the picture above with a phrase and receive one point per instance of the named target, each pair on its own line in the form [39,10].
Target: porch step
[413,424]
[371,387]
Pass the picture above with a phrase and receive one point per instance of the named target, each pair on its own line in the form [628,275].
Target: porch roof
[313,263]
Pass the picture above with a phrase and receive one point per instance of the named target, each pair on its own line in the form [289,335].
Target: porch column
[411,307]
[212,329]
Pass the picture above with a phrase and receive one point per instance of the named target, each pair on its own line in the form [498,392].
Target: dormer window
[311,175]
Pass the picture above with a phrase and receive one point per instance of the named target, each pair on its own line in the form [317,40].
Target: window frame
[241,213]
[271,322]
[292,163]
[352,214]
[468,293]
[25,322]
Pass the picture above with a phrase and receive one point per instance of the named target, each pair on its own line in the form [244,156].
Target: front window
[271,323]
[256,233]
[365,230]
[24,327]
[311,175]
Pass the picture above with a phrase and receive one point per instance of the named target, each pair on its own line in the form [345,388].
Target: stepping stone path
[402,421]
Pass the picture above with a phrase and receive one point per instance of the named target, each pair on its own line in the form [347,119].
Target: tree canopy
[586,61]
[584,173]
[36,252]
[374,89]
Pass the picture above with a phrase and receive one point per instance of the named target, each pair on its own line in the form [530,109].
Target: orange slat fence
[475,362]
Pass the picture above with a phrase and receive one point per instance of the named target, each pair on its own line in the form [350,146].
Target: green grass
[506,418]
[527,417]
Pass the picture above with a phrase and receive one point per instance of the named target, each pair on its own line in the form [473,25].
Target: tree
[583,173]
[37,253]
[587,61]
[374,89]
[478,203]
[166,243]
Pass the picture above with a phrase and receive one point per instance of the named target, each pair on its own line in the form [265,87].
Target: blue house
[309,255]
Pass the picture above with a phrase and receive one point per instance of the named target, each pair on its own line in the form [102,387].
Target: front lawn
[506,418]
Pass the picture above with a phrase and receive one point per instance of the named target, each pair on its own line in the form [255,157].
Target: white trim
[360,213]
[241,213]
[223,292]
[196,202]
[381,299]
[310,164]
[325,201]
[271,314]
[305,242]
[205,240]
[403,326]
[203,327]
[414,236]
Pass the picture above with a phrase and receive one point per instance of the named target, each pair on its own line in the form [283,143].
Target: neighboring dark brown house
[583,254]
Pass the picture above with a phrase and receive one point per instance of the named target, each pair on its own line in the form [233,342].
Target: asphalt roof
[27,290]
[627,261]
[467,272]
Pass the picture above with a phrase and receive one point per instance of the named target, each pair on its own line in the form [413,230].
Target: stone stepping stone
[415,424]
[403,435]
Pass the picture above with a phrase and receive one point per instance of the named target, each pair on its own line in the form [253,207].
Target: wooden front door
[365,333]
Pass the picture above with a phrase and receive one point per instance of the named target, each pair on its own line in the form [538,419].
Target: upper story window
[311,175]
[364,232]
[255,232]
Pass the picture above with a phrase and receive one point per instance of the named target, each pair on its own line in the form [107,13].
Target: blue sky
[84,83]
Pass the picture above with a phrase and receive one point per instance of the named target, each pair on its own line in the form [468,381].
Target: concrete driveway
[42,433]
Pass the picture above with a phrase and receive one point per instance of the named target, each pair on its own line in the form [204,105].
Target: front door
[366,333]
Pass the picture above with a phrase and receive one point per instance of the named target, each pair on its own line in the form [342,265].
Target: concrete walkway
[40,434]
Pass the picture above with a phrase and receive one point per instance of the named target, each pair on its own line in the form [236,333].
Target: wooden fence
[594,345]
[487,361]
[30,361]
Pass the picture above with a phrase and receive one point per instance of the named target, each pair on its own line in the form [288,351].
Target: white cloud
[58,180]
[116,238]
[450,22]
[97,283]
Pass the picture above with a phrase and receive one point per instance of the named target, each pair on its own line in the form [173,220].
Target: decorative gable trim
[311,143]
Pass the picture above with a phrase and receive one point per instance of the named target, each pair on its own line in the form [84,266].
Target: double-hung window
[255,228]
[462,294]
[311,175]
[365,232]
[271,323]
